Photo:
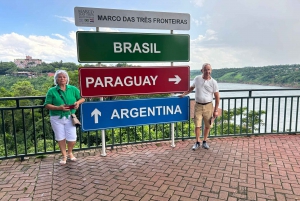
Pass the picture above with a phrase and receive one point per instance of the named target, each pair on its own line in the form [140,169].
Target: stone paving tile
[234,168]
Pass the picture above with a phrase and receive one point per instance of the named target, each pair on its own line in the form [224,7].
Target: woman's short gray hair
[59,72]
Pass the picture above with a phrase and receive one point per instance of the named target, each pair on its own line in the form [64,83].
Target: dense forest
[13,85]
[279,75]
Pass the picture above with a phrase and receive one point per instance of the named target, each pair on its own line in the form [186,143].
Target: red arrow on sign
[112,81]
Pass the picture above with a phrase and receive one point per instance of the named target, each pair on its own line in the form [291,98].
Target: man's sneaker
[205,145]
[196,146]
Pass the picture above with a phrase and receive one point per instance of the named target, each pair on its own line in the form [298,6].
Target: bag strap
[62,97]
[64,101]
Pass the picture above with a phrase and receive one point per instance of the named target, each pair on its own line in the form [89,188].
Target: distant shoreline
[273,84]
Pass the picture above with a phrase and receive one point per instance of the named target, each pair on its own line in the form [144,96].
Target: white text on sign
[128,47]
[126,81]
[146,112]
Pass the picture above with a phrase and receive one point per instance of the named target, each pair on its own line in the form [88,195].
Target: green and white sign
[132,47]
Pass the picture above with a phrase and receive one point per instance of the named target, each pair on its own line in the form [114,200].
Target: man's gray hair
[205,64]
[59,72]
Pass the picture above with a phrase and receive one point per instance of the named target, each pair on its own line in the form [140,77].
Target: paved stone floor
[240,168]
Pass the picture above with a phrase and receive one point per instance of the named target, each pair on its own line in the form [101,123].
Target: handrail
[25,128]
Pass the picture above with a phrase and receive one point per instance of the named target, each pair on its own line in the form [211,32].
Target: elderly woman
[62,100]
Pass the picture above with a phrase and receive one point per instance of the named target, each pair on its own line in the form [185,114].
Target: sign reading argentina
[102,17]
[123,113]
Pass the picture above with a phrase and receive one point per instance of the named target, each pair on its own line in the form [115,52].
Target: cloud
[66,19]
[229,33]
[72,35]
[49,49]
[198,3]
[209,35]
[248,33]
[59,36]
[218,57]
[15,46]
[105,29]
[197,22]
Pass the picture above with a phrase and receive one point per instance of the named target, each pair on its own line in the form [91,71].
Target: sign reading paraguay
[123,113]
[132,47]
[101,17]
[112,81]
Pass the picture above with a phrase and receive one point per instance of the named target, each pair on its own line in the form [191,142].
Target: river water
[281,109]
[238,86]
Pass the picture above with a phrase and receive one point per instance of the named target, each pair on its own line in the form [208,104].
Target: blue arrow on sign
[124,113]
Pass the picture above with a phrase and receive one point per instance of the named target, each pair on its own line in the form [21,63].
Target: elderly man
[206,88]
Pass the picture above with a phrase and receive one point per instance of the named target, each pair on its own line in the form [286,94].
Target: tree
[249,121]
[24,88]
[7,67]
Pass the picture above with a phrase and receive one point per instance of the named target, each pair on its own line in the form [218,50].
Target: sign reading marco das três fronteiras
[132,47]
[102,17]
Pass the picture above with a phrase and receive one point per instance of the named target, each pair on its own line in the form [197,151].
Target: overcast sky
[226,33]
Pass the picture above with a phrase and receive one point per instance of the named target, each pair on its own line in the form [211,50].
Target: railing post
[172,135]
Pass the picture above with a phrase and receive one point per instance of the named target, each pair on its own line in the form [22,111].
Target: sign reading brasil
[101,17]
[111,81]
[132,47]
[123,113]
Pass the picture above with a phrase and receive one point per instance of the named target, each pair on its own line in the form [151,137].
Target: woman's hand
[78,102]
[63,108]
[53,107]
[76,105]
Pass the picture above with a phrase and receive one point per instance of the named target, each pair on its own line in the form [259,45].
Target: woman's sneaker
[196,146]
[205,145]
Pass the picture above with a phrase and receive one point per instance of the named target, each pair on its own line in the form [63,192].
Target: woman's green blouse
[71,95]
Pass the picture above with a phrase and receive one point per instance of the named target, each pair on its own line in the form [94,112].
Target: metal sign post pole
[172,124]
[102,131]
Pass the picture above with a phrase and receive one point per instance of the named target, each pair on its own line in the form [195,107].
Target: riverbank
[296,86]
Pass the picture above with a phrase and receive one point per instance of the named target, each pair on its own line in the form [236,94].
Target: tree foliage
[7,67]
[249,121]
[281,75]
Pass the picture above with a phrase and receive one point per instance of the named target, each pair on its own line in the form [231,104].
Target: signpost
[103,17]
[131,47]
[97,47]
[124,113]
[112,81]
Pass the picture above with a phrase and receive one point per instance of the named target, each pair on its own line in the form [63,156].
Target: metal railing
[26,131]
